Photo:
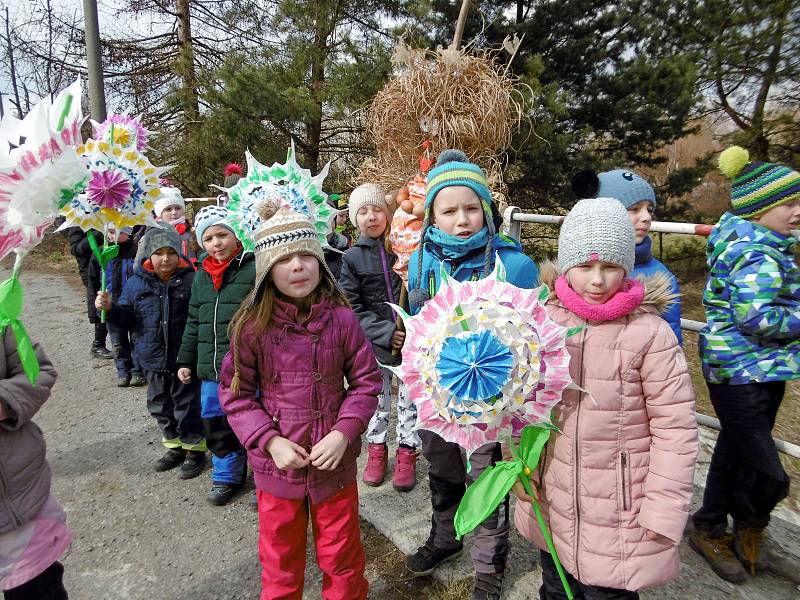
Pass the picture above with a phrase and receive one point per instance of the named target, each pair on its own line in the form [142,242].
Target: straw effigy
[452,98]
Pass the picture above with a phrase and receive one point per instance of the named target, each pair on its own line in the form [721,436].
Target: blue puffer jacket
[521,271]
[646,266]
[157,312]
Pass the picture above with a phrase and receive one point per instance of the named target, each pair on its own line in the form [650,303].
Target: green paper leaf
[483,497]
[573,330]
[532,443]
[10,310]
[544,293]
[11,299]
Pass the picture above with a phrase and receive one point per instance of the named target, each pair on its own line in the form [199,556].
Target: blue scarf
[455,247]
[644,253]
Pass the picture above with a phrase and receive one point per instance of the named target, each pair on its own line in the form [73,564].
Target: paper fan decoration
[482,359]
[285,185]
[122,130]
[121,188]
[39,168]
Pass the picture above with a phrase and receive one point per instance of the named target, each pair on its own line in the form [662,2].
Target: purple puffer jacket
[291,383]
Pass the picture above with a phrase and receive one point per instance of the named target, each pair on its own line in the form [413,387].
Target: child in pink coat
[294,340]
[616,483]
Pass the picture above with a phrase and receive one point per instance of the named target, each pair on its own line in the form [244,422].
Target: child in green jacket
[224,277]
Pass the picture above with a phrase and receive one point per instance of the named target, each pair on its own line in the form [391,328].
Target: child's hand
[287,454]
[103,301]
[519,491]
[327,453]
[185,375]
[398,337]
[656,537]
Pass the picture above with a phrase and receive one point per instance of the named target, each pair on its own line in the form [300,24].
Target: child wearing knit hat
[155,303]
[294,342]
[459,234]
[370,284]
[639,199]
[170,207]
[617,482]
[750,348]
[225,276]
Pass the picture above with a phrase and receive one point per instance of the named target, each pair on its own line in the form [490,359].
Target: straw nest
[452,98]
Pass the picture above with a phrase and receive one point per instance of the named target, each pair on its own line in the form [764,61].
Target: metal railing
[513,218]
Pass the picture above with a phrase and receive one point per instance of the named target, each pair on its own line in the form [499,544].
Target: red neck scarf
[216,269]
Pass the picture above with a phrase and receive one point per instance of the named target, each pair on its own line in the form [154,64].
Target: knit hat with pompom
[453,167]
[233,173]
[757,186]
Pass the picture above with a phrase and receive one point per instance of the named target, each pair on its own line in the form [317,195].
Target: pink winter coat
[625,461]
[291,383]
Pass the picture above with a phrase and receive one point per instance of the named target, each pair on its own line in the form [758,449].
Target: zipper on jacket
[214,361]
[578,463]
[623,460]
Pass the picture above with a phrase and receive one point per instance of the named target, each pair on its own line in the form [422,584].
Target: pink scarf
[622,303]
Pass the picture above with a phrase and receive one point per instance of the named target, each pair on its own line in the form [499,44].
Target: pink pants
[283,526]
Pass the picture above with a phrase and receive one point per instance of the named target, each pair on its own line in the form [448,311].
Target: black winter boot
[99,349]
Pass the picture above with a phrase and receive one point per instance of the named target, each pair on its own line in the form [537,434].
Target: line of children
[155,304]
[749,349]
[225,276]
[33,529]
[369,283]
[460,234]
[118,271]
[293,343]
[616,482]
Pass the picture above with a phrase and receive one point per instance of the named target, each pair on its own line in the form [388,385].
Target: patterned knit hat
[159,237]
[366,193]
[169,196]
[284,232]
[209,216]
[757,186]
[596,229]
[625,186]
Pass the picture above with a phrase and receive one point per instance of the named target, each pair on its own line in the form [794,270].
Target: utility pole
[97,94]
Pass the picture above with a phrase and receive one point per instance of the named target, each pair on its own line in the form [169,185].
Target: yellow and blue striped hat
[757,186]
[454,168]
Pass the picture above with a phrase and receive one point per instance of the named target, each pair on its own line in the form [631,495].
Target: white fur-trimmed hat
[170,196]
[597,229]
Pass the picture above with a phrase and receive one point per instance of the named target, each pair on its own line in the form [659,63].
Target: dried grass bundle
[452,98]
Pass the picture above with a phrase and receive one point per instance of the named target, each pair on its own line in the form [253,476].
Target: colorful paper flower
[482,359]
[123,131]
[286,185]
[38,168]
[123,185]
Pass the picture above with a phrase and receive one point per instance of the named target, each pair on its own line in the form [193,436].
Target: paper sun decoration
[39,169]
[123,131]
[123,183]
[483,361]
[285,185]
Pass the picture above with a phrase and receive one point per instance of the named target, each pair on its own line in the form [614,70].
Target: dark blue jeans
[122,342]
[745,479]
[553,589]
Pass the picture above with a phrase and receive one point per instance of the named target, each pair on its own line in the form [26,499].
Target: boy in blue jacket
[460,233]
[155,304]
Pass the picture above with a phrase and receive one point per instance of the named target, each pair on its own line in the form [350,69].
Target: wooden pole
[462,21]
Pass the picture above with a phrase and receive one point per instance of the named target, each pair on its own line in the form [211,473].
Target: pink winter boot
[377,462]
[405,469]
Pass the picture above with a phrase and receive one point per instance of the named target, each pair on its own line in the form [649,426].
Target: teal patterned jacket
[752,302]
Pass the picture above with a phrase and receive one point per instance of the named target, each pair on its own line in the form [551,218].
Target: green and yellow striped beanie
[757,186]
[454,168]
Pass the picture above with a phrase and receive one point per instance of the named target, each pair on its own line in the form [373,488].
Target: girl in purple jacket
[293,342]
